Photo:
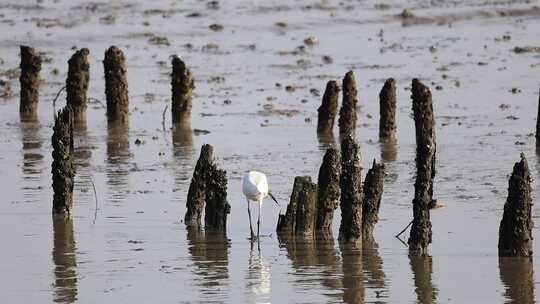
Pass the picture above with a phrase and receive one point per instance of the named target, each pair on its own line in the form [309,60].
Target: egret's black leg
[250,226]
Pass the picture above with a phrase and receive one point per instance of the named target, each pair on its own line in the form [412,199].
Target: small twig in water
[56,98]
[95,196]
[404,229]
[163,124]
[98,101]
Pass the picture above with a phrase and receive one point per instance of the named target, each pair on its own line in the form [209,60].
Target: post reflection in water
[353,278]
[316,262]
[518,279]
[63,254]
[209,253]
[118,155]
[182,138]
[81,156]
[31,148]
[32,166]
[388,150]
[326,140]
[258,278]
[422,269]
[373,264]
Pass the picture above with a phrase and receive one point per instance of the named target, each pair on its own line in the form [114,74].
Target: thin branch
[404,229]
[163,124]
[95,196]
[56,98]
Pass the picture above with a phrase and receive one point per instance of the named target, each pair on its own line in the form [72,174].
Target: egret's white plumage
[255,188]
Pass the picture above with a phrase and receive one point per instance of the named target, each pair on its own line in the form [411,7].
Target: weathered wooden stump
[30,80]
[515,231]
[116,85]
[426,147]
[217,208]
[328,189]
[182,92]
[350,230]
[347,113]
[63,170]
[197,189]
[373,190]
[328,109]
[77,84]
[387,104]
[299,219]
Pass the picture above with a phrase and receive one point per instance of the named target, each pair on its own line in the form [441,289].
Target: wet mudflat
[260,70]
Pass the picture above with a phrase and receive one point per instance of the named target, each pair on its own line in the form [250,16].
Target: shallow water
[128,243]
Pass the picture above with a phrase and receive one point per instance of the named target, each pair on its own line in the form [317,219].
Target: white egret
[255,188]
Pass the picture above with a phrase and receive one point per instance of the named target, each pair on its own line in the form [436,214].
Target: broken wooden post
[63,170]
[29,79]
[197,189]
[538,122]
[515,231]
[217,208]
[182,92]
[77,84]
[424,121]
[373,190]
[387,104]
[300,217]
[116,85]
[328,189]
[328,109]
[347,113]
[350,230]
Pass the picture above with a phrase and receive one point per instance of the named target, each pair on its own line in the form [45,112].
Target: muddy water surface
[257,90]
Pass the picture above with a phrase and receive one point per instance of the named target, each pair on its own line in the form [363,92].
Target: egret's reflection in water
[258,286]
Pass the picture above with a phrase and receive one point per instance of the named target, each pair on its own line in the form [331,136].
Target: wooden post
[195,203]
[426,147]
[182,92]
[347,113]
[328,109]
[116,85]
[328,189]
[30,80]
[387,103]
[77,84]
[63,170]
[217,208]
[301,214]
[515,231]
[350,230]
[373,190]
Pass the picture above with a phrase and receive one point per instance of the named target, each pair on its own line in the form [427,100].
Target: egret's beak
[273,198]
